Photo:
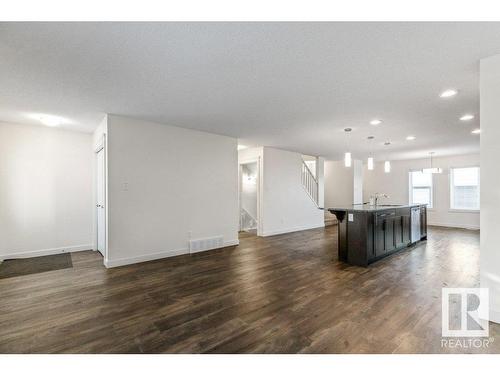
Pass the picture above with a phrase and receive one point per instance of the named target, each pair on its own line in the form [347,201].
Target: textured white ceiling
[288,85]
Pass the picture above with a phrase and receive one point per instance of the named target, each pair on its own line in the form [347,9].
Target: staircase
[330,219]
[311,186]
[247,221]
[309,183]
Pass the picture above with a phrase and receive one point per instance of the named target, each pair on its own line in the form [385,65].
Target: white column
[490,182]
[357,182]
[320,175]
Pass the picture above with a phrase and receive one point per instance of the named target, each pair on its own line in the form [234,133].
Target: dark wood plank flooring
[281,294]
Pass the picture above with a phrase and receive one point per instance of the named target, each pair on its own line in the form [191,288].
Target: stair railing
[309,183]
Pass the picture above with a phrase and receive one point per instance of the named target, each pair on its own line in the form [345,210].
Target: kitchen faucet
[376,196]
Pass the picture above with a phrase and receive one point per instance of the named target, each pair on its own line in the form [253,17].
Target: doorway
[101,200]
[249,197]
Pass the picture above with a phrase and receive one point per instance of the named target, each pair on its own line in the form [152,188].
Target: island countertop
[370,208]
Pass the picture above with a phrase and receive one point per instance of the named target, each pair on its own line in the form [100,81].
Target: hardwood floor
[281,294]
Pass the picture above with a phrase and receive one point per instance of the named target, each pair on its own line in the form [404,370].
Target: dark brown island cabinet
[369,233]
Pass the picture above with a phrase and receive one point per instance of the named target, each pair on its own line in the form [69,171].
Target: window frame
[451,185]
[410,189]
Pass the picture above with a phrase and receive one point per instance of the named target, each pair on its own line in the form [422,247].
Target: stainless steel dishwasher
[415,224]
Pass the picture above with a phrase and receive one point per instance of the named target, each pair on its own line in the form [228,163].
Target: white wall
[396,185]
[286,207]
[343,186]
[165,186]
[250,154]
[490,182]
[46,194]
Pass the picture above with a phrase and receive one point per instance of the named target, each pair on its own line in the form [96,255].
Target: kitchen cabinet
[398,232]
[389,233]
[379,235]
[406,229]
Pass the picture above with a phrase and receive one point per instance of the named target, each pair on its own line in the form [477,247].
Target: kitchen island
[367,233]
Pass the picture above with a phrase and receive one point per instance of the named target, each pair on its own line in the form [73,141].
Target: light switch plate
[350,217]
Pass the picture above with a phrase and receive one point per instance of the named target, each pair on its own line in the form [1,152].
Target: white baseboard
[39,253]
[231,243]
[163,254]
[494,316]
[144,258]
[290,230]
[472,227]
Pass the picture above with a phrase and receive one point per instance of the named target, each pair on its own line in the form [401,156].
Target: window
[464,188]
[421,188]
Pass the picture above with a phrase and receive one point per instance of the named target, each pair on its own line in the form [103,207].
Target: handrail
[312,174]
[245,214]
[310,183]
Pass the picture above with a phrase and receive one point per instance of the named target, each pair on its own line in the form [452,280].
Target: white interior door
[101,202]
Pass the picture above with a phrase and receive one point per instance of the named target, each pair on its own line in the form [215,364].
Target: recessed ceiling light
[448,93]
[49,120]
[411,138]
[476,131]
[375,122]
[387,143]
[466,117]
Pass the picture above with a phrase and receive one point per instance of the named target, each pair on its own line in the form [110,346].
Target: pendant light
[387,166]
[370,163]
[347,159]
[347,155]
[370,158]
[387,163]
[432,169]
